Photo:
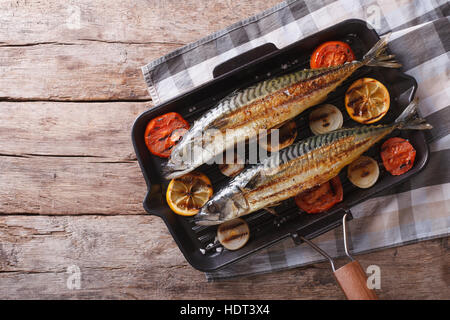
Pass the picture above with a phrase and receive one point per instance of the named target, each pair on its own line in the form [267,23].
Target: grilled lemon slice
[363,172]
[367,100]
[233,234]
[187,194]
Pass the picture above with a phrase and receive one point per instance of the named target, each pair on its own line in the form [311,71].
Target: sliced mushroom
[363,172]
[233,234]
[325,118]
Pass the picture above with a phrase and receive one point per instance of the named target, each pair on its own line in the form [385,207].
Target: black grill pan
[197,243]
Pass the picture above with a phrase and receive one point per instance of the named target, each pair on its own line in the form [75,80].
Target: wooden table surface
[71,189]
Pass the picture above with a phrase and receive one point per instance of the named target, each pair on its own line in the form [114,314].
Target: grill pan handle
[244,59]
[353,281]
[351,277]
[322,224]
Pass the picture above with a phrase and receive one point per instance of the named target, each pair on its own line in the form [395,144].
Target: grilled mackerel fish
[242,114]
[298,168]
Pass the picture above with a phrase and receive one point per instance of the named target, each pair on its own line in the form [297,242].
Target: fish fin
[243,190]
[219,123]
[409,118]
[276,204]
[259,178]
[271,210]
[376,56]
[254,181]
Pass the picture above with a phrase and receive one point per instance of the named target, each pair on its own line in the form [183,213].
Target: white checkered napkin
[421,40]
[192,65]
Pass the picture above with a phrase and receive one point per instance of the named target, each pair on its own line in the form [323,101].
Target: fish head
[184,157]
[226,205]
[176,168]
[193,150]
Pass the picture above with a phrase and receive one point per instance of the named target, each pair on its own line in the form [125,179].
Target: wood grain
[71,188]
[76,72]
[70,185]
[139,21]
[69,158]
[101,130]
[134,257]
[93,52]
[352,278]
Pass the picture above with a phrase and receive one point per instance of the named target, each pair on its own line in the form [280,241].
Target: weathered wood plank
[70,185]
[140,21]
[77,158]
[77,72]
[46,55]
[69,158]
[101,130]
[135,257]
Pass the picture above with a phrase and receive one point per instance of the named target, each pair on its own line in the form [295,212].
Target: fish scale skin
[279,107]
[261,90]
[241,115]
[312,162]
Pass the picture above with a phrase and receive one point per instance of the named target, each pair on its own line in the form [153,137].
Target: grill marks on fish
[298,168]
[266,105]
[309,161]
[313,162]
[276,107]
[241,115]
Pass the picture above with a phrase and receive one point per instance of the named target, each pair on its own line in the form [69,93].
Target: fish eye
[212,207]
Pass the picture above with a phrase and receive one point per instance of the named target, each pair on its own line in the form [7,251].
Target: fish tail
[376,57]
[410,120]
